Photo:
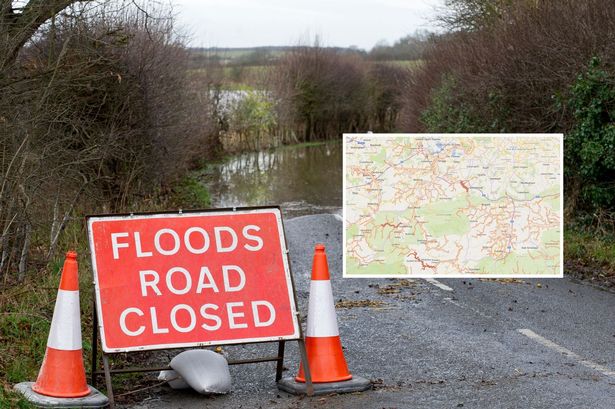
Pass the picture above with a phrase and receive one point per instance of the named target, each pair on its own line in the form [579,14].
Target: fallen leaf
[359,303]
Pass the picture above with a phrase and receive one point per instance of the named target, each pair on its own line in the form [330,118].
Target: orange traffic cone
[62,374]
[322,340]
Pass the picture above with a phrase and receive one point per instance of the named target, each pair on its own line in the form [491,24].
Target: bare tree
[96,114]
[322,92]
[472,15]
[18,24]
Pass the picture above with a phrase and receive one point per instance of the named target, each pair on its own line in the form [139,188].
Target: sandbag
[174,379]
[205,371]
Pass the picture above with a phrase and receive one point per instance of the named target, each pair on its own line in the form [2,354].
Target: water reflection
[302,180]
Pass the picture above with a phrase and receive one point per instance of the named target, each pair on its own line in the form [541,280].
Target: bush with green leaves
[452,110]
[253,118]
[590,144]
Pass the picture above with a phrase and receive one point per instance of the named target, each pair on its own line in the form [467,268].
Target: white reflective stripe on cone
[65,332]
[321,321]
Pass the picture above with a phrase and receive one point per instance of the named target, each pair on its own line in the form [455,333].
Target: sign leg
[108,381]
[94,366]
[280,366]
[306,368]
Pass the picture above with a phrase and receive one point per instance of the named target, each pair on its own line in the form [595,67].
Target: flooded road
[300,179]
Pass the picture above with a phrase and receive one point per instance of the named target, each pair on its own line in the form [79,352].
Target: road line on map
[438,284]
[565,351]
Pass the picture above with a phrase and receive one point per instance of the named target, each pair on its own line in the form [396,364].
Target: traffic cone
[322,340]
[62,373]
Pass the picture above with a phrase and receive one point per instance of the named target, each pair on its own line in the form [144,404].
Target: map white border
[449,135]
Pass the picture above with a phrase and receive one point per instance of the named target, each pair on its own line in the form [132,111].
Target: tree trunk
[17,28]
[25,250]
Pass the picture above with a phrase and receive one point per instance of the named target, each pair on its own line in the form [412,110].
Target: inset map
[423,205]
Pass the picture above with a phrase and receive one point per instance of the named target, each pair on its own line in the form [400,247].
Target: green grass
[237,86]
[246,69]
[302,145]
[590,250]
[191,193]
[234,77]
[27,309]
[11,399]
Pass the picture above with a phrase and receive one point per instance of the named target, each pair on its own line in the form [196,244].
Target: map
[425,205]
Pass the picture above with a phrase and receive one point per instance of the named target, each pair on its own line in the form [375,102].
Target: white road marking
[565,351]
[438,284]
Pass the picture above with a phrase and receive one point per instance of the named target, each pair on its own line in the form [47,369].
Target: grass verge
[303,145]
[27,307]
[191,193]
[590,256]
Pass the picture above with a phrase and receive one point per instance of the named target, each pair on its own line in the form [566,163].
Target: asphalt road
[445,344]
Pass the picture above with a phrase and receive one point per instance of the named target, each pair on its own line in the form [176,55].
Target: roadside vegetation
[532,66]
[97,115]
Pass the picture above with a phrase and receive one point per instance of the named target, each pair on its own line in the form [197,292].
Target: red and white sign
[191,279]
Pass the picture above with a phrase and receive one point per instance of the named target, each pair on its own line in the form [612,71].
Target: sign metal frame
[98,328]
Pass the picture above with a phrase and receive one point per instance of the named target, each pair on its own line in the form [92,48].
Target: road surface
[440,343]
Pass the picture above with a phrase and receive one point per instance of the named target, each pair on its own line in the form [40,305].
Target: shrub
[385,84]
[252,121]
[321,93]
[527,54]
[590,144]
[95,113]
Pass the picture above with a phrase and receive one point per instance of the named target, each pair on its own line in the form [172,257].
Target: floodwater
[300,179]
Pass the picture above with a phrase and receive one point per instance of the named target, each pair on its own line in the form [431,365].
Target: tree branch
[22,26]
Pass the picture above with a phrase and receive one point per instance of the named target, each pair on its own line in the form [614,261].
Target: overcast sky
[248,23]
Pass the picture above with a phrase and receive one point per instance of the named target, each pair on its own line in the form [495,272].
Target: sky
[343,23]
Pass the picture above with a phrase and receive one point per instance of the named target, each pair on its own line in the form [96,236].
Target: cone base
[54,394]
[326,358]
[62,375]
[95,399]
[356,384]
[339,379]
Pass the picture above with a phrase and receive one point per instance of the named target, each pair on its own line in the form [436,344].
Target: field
[247,68]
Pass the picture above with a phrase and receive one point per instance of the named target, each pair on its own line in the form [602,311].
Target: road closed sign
[191,279]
